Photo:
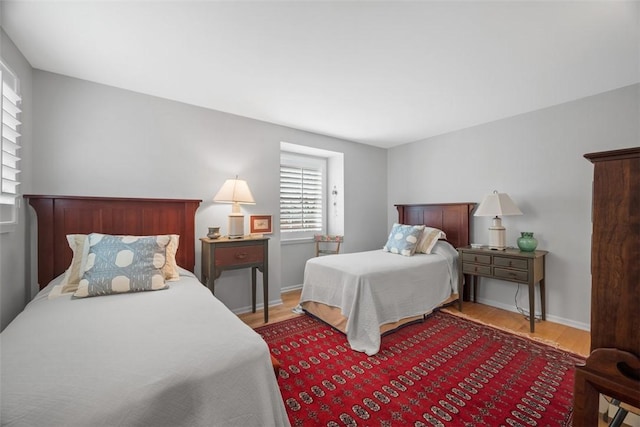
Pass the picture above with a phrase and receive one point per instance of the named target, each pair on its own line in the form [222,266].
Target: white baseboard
[247,309]
[555,319]
[291,288]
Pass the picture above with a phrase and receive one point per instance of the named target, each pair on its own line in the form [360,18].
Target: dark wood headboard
[452,218]
[58,216]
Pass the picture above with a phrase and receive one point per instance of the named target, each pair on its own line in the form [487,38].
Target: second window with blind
[303,184]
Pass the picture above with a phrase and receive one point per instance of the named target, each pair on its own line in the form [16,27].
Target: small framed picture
[260,224]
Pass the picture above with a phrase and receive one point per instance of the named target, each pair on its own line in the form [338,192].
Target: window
[302,195]
[10,145]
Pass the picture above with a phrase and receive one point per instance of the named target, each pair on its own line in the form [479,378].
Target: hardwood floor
[565,337]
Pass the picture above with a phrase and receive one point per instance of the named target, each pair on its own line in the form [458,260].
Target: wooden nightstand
[232,254]
[511,265]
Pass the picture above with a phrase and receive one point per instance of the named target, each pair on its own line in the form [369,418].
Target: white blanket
[176,357]
[376,287]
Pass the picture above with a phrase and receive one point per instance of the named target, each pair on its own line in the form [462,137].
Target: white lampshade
[497,205]
[235,191]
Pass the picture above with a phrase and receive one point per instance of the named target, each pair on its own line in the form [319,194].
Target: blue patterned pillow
[403,239]
[119,264]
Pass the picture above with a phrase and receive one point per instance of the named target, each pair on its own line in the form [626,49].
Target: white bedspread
[376,287]
[176,357]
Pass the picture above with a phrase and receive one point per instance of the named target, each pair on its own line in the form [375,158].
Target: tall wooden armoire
[613,367]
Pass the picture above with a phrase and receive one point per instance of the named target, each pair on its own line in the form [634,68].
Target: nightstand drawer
[515,275]
[510,262]
[476,269]
[482,259]
[238,255]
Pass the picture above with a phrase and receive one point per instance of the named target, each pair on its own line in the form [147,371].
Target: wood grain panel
[452,218]
[615,255]
[58,216]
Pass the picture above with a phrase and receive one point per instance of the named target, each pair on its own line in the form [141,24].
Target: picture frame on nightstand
[260,224]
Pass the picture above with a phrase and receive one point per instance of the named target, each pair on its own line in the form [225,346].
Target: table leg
[461,279]
[253,289]
[542,300]
[475,288]
[532,303]
[209,282]
[265,291]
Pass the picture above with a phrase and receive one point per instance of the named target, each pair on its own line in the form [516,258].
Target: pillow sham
[80,247]
[428,239]
[403,239]
[170,269]
[121,264]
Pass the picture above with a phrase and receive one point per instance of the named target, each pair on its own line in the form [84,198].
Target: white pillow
[170,269]
[428,239]
[80,247]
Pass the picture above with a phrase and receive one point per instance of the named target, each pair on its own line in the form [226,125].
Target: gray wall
[91,139]
[14,275]
[82,138]
[537,158]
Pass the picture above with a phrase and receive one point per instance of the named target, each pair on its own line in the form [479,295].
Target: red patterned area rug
[445,371]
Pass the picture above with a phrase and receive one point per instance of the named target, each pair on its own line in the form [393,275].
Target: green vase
[526,242]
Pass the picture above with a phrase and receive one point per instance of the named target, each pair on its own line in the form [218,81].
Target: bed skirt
[333,315]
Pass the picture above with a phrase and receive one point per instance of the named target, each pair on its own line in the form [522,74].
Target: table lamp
[497,205]
[235,191]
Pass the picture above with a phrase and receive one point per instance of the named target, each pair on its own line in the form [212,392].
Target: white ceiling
[382,72]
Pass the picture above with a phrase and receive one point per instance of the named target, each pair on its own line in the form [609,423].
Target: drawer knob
[241,255]
[510,264]
[475,258]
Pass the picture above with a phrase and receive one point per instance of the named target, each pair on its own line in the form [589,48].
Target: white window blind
[10,144]
[302,196]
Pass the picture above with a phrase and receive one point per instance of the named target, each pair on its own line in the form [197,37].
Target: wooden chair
[327,244]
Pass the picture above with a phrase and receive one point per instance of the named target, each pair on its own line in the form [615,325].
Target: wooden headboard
[452,218]
[58,216]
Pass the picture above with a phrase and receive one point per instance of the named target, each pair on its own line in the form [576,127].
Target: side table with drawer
[232,254]
[511,265]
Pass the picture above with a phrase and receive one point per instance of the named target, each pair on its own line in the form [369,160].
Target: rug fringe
[545,341]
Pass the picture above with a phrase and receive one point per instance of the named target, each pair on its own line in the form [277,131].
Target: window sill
[299,241]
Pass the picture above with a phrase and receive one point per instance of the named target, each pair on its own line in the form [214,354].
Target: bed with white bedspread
[174,357]
[168,355]
[374,288]
[371,293]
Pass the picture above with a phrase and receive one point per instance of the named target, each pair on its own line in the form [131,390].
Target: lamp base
[497,235]
[236,226]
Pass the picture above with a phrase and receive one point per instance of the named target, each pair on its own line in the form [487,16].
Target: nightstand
[232,254]
[511,265]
